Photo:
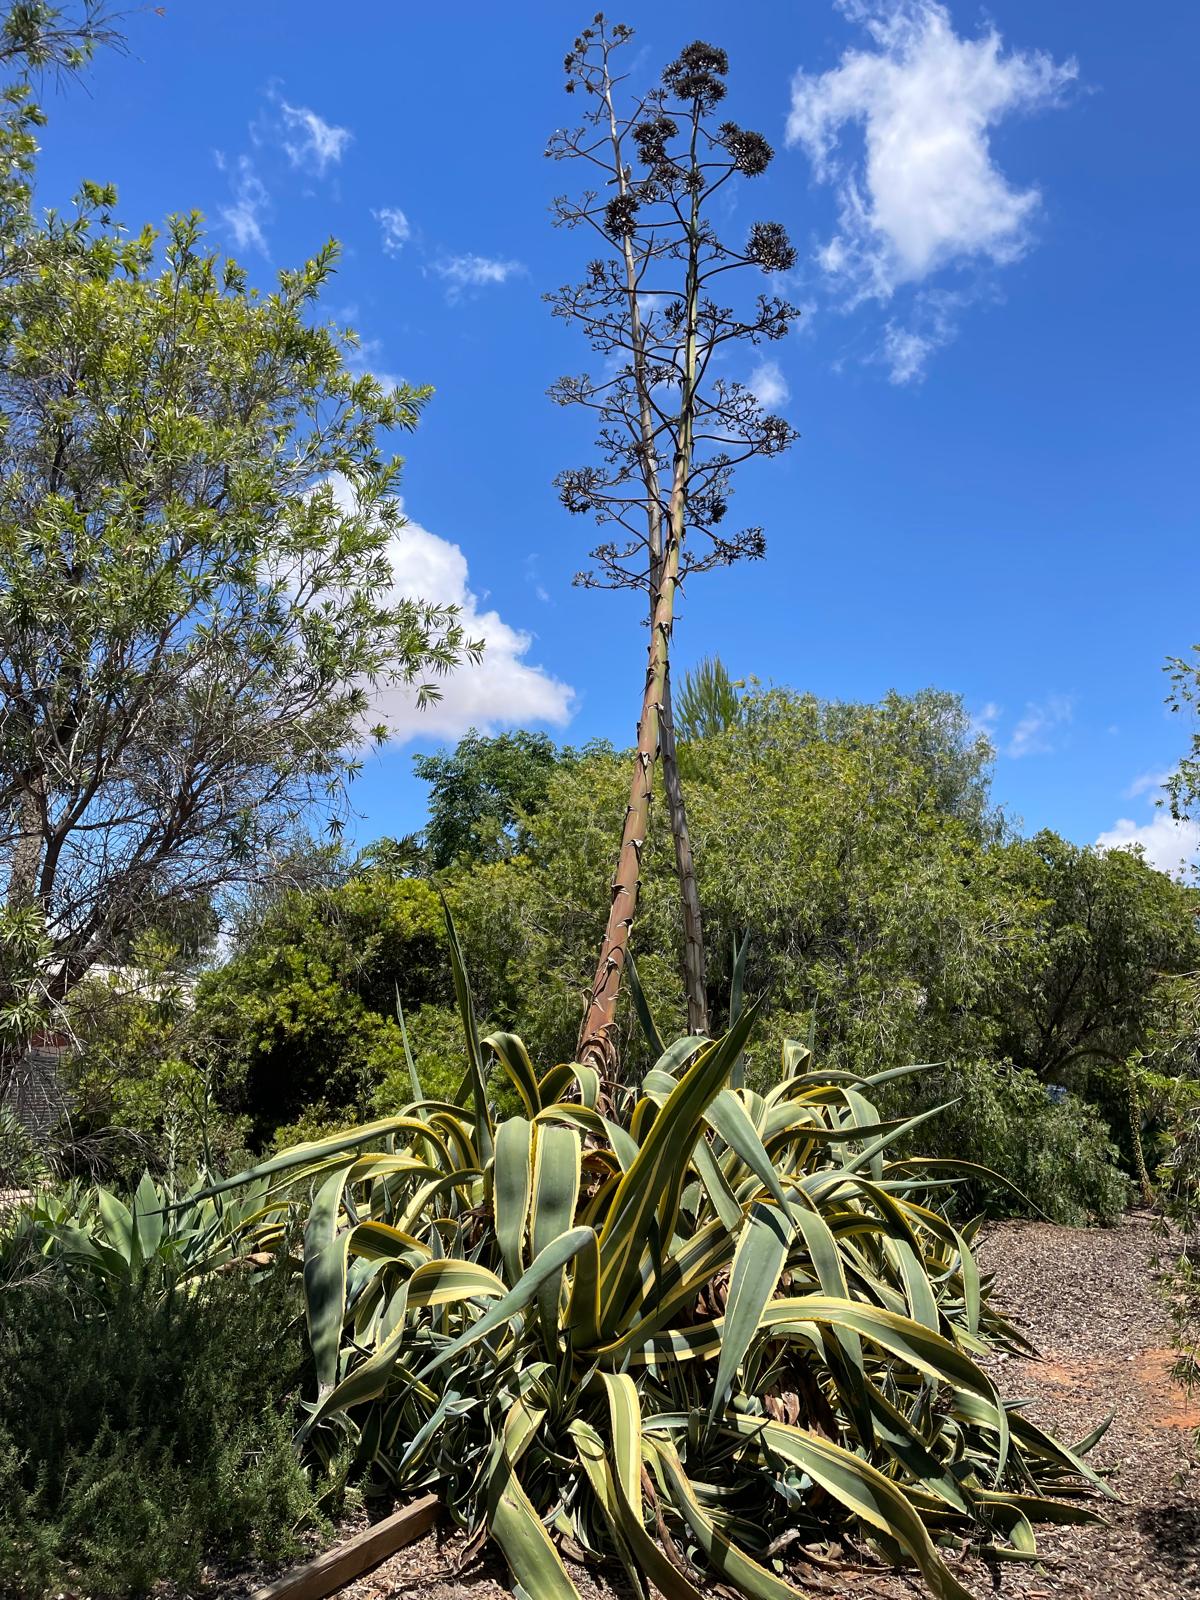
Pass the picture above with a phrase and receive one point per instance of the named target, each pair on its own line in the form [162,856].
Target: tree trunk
[689,896]
[26,851]
[689,893]
[597,1044]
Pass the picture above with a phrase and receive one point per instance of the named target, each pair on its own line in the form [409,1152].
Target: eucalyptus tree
[659,305]
[196,598]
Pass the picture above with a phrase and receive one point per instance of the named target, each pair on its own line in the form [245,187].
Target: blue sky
[994,491]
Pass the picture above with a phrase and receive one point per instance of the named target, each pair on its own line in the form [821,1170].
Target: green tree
[708,701]
[302,1019]
[196,602]
[672,425]
[144,1094]
[481,792]
[1080,996]
[1183,786]
[831,833]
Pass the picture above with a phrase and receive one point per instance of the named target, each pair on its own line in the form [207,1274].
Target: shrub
[303,1016]
[1051,1147]
[21,1163]
[144,1094]
[142,1433]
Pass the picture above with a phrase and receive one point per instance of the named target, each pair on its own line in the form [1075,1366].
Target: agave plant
[699,1335]
[91,1230]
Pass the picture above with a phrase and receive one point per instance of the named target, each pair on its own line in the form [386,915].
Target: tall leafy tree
[1106,928]
[1183,786]
[479,792]
[196,602]
[846,838]
[656,304]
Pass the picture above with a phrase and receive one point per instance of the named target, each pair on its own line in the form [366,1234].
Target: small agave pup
[711,1328]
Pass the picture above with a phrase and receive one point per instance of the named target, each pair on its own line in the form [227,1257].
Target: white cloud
[503,690]
[249,208]
[1170,846]
[311,143]
[394,227]
[925,191]
[1034,733]
[475,272]
[921,192]
[769,385]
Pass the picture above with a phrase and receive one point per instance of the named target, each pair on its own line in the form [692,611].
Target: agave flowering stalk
[670,435]
[686,1337]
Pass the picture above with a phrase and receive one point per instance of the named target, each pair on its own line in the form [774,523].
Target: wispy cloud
[310,143]
[1034,734]
[394,228]
[931,324]
[250,206]
[1146,783]
[922,191]
[475,272]
[533,577]
[769,385]
[984,721]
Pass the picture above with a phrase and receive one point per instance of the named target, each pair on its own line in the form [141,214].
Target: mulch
[1089,1301]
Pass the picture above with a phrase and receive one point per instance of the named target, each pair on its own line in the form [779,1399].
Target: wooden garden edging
[326,1574]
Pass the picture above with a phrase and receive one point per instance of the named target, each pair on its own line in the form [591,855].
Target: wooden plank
[326,1574]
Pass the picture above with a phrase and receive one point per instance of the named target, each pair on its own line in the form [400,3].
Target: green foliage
[1169,1079]
[852,842]
[36,36]
[484,791]
[480,792]
[303,1016]
[890,912]
[96,1238]
[602,1324]
[707,702]
[1183,786]
[196,601]
[140,1439]
[22,1165]
[24,947]
[144,1093]
[1053,1149]
[1080,994]
[435,1040]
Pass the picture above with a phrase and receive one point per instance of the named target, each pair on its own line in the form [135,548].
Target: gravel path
[1088,1300]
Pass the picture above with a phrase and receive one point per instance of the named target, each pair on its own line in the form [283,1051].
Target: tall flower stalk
[671,426]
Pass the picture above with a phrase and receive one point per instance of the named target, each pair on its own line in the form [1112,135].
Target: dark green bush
[141,1436]
[1056,1151]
